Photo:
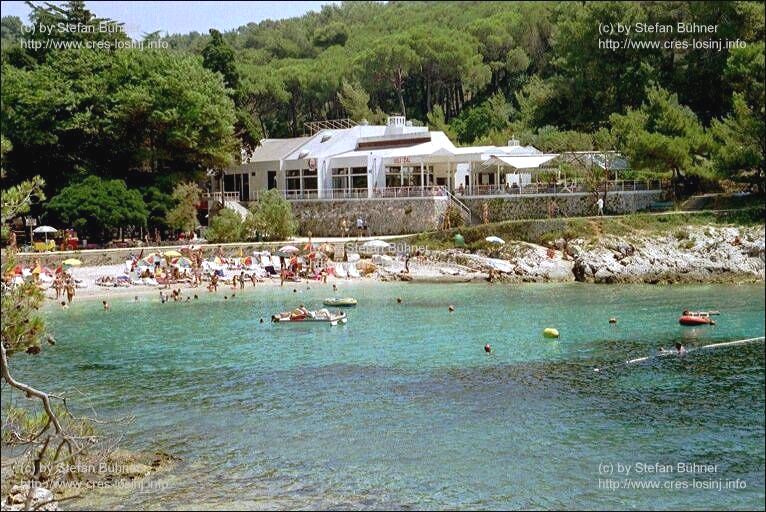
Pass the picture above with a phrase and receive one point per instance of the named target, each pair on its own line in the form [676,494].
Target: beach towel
[340,271]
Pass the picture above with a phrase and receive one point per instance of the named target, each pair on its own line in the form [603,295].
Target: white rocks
[693,254]
[42,499]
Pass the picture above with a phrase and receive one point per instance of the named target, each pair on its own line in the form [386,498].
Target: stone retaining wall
[569,205]
[391,216]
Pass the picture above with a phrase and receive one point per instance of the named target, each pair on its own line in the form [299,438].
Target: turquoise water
[402,408]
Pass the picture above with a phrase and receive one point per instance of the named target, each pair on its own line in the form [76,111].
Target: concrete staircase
[461,207]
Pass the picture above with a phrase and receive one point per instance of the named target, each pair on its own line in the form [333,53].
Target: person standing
[600,205]
[343,228]
[69,291]
[359,227]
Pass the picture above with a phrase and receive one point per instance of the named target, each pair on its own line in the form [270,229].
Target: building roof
[520,162]
[276,149]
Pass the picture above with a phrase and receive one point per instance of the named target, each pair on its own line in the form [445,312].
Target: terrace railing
[351,193]
[221,197]
[416,191]
[562,188]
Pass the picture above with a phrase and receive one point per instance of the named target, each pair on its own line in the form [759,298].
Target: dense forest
[480,71]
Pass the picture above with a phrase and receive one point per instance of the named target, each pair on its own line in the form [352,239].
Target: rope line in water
[672,352]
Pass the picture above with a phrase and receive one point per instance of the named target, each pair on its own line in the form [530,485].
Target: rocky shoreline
[688,255]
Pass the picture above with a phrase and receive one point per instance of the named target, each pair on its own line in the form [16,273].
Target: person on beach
[343,228]
[253,278]
[600,205]
[69,291]
[57,286]
[491,275]
[242,280]
[234,282]
[214,282]
[359,227]
[407,263]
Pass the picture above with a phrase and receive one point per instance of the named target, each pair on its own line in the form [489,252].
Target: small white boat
[340,302]
[300,315]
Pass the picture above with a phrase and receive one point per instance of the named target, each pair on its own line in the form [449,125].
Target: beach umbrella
[18,270]
[181,261]
[46,230]
[248,261]
[375,244]
[288,250]
[172,254]
[150,259]
[72,262]
[495,240]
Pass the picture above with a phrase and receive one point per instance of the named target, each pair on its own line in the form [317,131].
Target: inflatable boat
[299,315]
[697,318]
[340,302]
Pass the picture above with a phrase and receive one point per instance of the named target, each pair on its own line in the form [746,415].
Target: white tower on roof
[395,125]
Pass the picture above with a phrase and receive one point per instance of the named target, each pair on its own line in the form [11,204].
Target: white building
[364,161]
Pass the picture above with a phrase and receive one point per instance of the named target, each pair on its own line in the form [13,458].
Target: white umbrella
[289,249]
[375,244]
[495,240]
[46,230]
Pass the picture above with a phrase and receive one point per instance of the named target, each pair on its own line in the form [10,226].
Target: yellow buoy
[550,332]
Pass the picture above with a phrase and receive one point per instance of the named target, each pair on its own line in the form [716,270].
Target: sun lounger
[340,271]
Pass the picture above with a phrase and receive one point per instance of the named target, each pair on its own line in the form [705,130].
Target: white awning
[520,162]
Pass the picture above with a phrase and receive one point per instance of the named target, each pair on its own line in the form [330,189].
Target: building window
[309,179]
[293,179]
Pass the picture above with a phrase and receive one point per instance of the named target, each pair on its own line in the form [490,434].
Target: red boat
[697,318]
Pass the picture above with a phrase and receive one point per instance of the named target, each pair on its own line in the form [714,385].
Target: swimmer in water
[451,308]
[107,307]
[680,350]
[195,297]
[488,348]
[64,305]
[135,298]
[398,300]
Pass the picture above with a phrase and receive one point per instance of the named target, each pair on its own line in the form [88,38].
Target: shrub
[226,226]
[272,216]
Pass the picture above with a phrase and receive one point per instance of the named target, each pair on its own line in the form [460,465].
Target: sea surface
[402,408]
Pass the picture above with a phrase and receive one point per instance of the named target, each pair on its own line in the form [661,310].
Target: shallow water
[402,408]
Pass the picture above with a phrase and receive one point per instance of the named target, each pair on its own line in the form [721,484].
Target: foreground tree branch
[30,391]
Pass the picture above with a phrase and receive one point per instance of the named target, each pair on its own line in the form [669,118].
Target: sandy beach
[426,272]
